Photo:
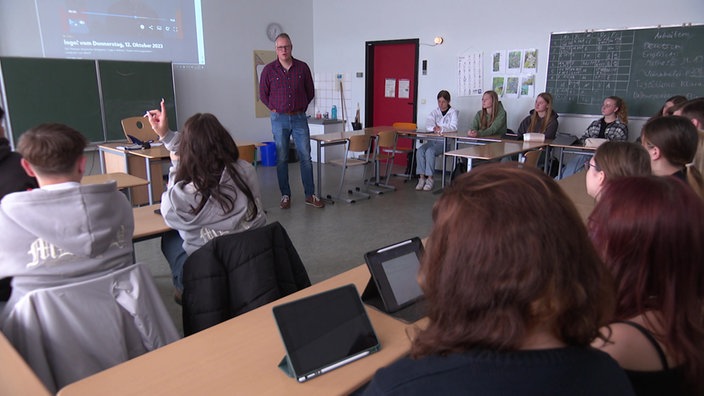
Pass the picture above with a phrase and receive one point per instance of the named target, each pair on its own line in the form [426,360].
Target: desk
[240,356]
[147,224]
[334,139]
[568,149]
[575,187]
[494,151]
[141,163]
[16,378]
[460,137]
[124,181]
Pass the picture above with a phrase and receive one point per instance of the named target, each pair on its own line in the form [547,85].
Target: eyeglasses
[283,48]
[588,164]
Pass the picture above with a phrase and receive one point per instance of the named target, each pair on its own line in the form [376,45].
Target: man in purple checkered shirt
[286,88]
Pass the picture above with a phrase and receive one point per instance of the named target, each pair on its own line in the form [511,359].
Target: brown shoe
[314,201]
[285,202]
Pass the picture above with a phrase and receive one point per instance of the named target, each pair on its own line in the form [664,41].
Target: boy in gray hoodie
[62,232]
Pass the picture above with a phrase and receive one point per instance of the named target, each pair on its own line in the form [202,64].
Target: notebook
[323,332]
[393,287]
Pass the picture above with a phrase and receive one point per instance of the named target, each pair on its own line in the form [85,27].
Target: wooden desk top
[462,135]
[123,180]
[147,223]
[495,150]
[240,356]
[157,152]
[16,378]
[575,187]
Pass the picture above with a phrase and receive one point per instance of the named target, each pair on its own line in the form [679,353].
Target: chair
[68,332]
[406,126]
[248,153]
[360,148]
[385,151]
[531,158]
[138,127]
[235,273]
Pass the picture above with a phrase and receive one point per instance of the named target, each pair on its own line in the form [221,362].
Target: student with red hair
[513,304]
[649,232]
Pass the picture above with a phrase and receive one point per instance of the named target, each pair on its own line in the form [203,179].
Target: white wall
[341,29]
[330,36]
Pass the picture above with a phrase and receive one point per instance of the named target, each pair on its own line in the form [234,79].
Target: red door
[391,95]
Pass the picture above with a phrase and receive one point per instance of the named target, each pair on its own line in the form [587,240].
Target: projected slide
[137,30]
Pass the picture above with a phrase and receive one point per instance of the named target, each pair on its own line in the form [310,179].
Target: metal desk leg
[149,178]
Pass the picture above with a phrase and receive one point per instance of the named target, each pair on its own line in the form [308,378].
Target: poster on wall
[261,59]
[498,62]
[470,74]
[497,84]
[515,58]
[404,89]
[390,88]
[530,61]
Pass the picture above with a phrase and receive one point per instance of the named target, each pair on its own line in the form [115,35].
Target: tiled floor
[329,240]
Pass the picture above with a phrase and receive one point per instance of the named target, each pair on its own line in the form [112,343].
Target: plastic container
[268,154]
[333,112]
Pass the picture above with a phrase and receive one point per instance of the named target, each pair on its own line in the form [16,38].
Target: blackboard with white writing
[642,66]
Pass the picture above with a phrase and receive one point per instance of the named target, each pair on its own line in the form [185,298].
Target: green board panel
[52,90]
[642,66]
[131,88]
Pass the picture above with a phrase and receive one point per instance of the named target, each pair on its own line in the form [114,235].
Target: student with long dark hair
[211,191]
[649,233]
[513,305]
[442,119]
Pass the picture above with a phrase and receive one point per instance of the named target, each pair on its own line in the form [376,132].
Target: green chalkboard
[642,66]
[131,88]
[51,90]
[91,96]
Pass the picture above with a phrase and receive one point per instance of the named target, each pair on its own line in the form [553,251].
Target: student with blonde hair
[491,119]
[542,118]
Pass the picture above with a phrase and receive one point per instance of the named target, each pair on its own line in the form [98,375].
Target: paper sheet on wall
[404,89]
[261,59]
[390,88]
[470,74]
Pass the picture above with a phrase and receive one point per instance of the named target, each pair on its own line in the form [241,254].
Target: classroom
[331,37]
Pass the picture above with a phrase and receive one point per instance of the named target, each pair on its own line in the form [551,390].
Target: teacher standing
[286,88]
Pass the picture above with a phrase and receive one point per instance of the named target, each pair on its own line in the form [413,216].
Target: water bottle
[333,112]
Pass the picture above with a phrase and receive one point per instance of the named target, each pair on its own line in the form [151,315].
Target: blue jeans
[574,164]
[282,127]
[425,155]
[172,248]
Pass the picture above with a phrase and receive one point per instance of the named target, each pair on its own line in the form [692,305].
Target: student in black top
[649,232]
[513,305]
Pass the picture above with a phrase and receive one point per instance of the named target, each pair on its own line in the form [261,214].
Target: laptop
[323,332]
[393,287]
[564,139]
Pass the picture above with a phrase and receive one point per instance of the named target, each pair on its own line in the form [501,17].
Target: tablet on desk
[393,287]
[323,332]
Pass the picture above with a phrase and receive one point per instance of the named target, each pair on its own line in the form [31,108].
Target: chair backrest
[247,152]
[235,273]
[138,127]
[532,158]
[360,143]
[386,138]
[69,332]
[406,126]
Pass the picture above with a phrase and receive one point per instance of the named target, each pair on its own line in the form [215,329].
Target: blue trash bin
[268,154]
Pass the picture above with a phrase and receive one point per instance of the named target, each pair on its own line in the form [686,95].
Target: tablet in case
[393,287]
[323,332]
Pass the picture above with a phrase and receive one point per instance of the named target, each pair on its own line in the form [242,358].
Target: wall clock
[273,30]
